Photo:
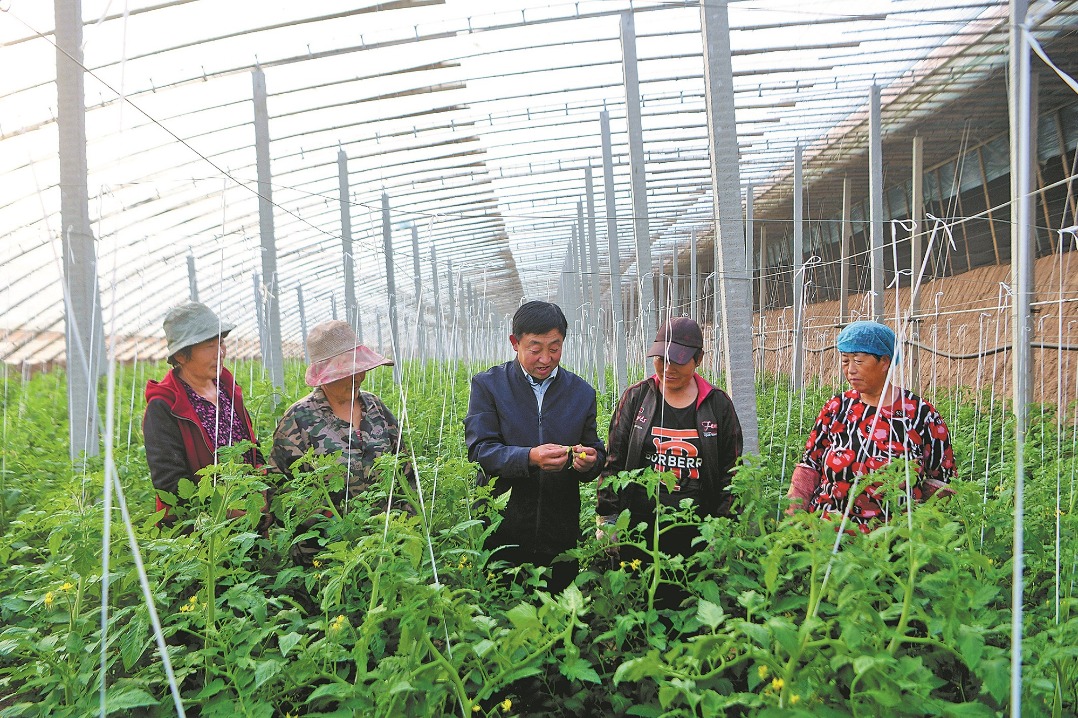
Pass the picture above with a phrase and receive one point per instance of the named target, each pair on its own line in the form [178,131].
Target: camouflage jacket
[310,422]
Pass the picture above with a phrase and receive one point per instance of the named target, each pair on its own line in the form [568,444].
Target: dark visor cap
[677,340]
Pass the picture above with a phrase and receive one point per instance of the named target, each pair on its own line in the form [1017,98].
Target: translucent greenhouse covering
[475,120]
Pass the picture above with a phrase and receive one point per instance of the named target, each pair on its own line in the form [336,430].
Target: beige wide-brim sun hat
[336,353]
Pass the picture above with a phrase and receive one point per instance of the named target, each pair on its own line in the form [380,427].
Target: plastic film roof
[476,119]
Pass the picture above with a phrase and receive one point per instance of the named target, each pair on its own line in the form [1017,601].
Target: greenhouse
[591,358]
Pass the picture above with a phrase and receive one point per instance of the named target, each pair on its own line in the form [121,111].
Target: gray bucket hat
[191,323]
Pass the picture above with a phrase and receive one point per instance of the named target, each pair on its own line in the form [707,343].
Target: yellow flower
[463,562]
[48,599]
[67,586]
[193,600]
[623,564]
[762,670]
[490,575]
[507,705]
[777,684]
[475,709]
[317,563]
[635,563]
[795,699]
[337,624]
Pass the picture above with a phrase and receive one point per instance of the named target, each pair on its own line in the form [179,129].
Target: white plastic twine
[981,345]
[134,374]
[1073,231]
[789,410]
[112,482]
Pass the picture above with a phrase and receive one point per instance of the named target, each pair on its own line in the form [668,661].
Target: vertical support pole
[750,239]
[572,281]
[582,256]
[598,341]
[438,334]
[391,290]
[271,350]
[844,252]
[351,311]
[662,286]
[333,305]
[617,320]
[83,332]
[763,297]
[675,279]
[260,315]
[381,341]
[192,277]
[421,344]
[637,181]
[564,280]
[454,330]
[875,191]
[798,351]
[302,322]
[694,272]
[473,312]
[1023,144]
[735,284]
[917,209]
[586,311]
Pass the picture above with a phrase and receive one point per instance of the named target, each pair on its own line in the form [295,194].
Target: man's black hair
[539,318]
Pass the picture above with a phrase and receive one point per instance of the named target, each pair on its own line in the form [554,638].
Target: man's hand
[550,457]
[556,457]
[584,457]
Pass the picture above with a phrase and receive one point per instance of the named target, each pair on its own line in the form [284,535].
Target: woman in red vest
[198,407]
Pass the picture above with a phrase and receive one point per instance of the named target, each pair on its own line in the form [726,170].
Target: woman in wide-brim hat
[198,407]
[338,416]
[862,430]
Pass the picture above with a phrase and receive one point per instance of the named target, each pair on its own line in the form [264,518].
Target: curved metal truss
[477,119]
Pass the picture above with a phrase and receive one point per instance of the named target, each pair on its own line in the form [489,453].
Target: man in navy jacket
[531,427]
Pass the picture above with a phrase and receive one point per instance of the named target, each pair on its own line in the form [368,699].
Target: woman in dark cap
[198,407]
[862,429]
[338,416]
[673,421]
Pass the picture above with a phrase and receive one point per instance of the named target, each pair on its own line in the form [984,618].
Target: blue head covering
[867,338]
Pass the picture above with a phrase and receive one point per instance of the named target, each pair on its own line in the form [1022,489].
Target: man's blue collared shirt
[539,387]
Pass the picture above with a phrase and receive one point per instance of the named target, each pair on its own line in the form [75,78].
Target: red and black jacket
[630,426]
[177,445]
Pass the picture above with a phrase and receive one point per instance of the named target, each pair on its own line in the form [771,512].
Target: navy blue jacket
[502,426]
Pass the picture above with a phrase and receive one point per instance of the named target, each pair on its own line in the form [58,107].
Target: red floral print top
[840,449]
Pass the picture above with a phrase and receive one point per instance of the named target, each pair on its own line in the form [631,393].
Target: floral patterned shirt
[840,449]
[221,422]
[310,422]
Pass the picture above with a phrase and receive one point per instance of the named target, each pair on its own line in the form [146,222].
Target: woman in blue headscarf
[862,429]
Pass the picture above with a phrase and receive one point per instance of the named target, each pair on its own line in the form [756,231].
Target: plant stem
[452,672]
[907,601]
